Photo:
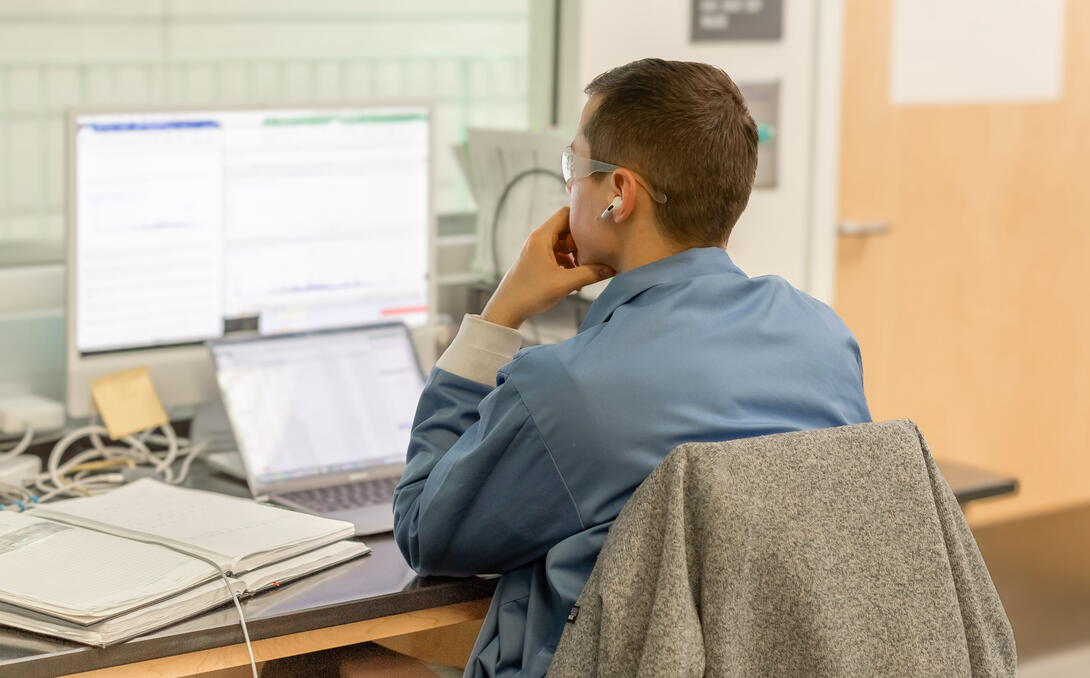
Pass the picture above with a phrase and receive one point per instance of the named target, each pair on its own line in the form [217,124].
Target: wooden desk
[367,599]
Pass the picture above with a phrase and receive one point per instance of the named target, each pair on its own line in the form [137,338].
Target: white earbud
[614,204]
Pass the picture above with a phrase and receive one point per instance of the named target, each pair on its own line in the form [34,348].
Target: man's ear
[624,185]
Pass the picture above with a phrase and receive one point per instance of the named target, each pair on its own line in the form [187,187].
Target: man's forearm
[465,376]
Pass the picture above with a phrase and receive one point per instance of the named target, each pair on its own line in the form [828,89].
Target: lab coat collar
[682,266]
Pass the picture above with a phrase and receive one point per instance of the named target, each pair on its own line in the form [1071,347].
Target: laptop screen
[321,403]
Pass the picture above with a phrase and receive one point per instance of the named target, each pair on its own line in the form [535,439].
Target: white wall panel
[55,54]
[777,234]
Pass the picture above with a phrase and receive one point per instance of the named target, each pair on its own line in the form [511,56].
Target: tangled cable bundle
[103,466]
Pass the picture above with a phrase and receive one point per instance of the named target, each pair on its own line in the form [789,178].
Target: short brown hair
[685,128]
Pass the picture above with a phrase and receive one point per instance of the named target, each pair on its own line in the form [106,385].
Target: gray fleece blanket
[836,552]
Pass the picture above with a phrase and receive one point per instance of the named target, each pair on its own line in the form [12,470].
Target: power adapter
[19,470]
[41,414]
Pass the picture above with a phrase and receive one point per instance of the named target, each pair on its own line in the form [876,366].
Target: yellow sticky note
[128,402]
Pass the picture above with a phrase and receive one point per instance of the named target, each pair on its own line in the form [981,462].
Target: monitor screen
[320,403]
[194,225]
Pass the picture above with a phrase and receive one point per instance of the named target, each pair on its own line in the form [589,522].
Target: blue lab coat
[525,478]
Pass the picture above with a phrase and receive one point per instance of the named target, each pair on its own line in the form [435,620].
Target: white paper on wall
[494,159]
[973,51]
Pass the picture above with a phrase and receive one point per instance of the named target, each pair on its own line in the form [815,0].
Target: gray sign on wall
[763,101]
[737,20]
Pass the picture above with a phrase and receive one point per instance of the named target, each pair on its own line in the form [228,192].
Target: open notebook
[97,585]
[238,534]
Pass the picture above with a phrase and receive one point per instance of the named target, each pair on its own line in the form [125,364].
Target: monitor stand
[228,463]
[210,424]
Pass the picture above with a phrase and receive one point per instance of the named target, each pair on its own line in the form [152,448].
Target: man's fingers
[565,260]
[554,225]
[564,244]
[581,276]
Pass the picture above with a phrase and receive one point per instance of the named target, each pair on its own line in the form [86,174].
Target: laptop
[322,419]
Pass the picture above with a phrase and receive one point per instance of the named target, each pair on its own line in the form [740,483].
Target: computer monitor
[193,224]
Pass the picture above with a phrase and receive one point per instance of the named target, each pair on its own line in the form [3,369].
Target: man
[519,463]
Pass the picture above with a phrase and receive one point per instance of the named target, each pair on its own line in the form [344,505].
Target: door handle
[861,228]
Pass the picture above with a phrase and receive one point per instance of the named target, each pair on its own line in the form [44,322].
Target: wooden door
[971,311]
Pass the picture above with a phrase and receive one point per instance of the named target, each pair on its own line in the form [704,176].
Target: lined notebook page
[238,533]
[84,575]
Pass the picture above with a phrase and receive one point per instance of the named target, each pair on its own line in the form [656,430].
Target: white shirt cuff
[480,350]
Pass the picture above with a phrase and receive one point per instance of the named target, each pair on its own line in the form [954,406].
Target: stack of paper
[102,569]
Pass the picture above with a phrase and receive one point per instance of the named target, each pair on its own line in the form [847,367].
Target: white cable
[20,446]
[223,575]
[57,478]
[165,464]
[53,465]
[18,492]
[195,451]
[230,592]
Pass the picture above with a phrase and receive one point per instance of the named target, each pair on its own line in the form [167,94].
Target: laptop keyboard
[343,497]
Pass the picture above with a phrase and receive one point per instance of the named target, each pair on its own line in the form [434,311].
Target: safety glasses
[577,167]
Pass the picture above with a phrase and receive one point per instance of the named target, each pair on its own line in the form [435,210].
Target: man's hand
[546,271]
